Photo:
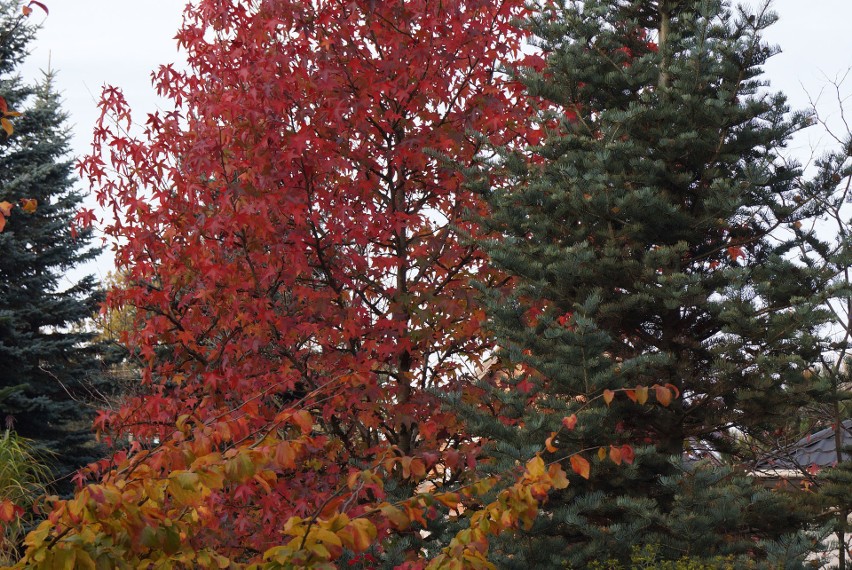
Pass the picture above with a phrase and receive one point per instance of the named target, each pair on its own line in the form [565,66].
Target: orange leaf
[570,422]
[548,444]
[735,252]
[29,205]
[6,208]
[285,455]
[641,394]
[6,125]
[27,10]
[303,419]
[418,468]
[674,389]
[627,454]
[664,395]
[580,466]
[39,4]
[9,511]
[405,463]
[608,395]
[2,222]
[615,454]
[630,394]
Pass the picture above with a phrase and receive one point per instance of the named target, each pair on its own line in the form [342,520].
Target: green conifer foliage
[643,234]
[44,352]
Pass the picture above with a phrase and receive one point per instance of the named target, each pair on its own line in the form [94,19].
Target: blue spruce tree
[49,365]
[642,238]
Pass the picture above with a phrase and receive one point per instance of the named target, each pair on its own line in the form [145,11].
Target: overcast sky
[816,49]
[119,42]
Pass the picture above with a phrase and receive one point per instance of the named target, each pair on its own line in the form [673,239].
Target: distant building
[806,456]
[796,465]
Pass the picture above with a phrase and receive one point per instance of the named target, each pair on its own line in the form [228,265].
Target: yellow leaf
[580,466]
[211,478]
[641,394]
[294,526]
[395,516]
[240,468]
[451,500]
[184,487]
[358,535]
[557,477]
[186,479]
[84,561]
[37,537]
[601,453]
[608,395]
[63,559]
[480,487]
[325,536]
[535,466]
[319,550]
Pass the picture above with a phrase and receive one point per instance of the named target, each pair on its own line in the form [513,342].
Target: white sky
[119,42]
[92,43]
[815,37]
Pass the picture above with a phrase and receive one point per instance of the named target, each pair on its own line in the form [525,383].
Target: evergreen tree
[642,233]
[47,361]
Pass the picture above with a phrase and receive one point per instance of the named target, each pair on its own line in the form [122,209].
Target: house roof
[815,449]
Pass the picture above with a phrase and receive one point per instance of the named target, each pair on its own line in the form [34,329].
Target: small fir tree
[47,361]
[642,232]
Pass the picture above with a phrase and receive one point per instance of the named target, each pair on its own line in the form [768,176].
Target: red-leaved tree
[291,240]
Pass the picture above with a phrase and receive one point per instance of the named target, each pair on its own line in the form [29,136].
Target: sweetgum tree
[290,239]
[644,236]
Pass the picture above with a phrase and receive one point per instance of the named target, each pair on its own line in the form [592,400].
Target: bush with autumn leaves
[412,293]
